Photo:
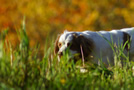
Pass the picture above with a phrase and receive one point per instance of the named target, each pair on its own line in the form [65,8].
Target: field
[21,68]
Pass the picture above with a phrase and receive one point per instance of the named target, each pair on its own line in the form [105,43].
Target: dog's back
[104,42]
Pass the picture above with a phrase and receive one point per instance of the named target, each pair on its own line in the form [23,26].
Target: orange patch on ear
[87,45]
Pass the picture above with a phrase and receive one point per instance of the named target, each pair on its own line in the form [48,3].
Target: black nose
[60,53]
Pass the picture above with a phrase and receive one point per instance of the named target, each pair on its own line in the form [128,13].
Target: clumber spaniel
[94,46]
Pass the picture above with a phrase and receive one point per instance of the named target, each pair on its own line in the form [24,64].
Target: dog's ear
[86,44]
[56,48]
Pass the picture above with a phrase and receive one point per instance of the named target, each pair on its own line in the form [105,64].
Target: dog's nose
[60,53]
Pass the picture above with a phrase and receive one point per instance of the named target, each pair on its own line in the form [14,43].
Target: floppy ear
[56,48]
[87,45]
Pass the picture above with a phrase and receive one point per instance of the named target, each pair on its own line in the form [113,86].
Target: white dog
[95,45]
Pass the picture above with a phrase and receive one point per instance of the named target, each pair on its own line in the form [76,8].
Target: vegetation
[22,69]
[21,66]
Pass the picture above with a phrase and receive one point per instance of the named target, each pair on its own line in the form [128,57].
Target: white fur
[64,39]
[101,40]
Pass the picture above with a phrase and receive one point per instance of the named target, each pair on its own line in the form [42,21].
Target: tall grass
[22,69]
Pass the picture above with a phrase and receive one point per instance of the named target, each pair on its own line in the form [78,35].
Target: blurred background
[47,18]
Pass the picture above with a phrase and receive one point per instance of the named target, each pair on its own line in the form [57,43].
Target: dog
[95,46]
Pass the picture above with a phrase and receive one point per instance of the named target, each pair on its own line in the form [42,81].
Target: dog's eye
[59,44]
[68,44]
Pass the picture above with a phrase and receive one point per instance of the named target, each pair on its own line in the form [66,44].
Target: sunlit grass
[22,69]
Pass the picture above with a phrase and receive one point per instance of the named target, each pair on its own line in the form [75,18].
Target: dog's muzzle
[60,54]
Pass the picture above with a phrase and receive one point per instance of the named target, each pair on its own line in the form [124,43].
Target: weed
[22,69]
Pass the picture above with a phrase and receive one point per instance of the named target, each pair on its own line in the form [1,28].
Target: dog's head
[73,42]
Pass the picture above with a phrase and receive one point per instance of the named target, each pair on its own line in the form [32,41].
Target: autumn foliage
[49,17]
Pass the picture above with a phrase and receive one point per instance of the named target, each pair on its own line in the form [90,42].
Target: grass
[22,69]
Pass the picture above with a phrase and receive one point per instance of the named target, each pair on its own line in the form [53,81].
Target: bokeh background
[47,18]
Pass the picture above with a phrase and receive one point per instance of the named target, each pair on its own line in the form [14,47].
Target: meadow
[21,68]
